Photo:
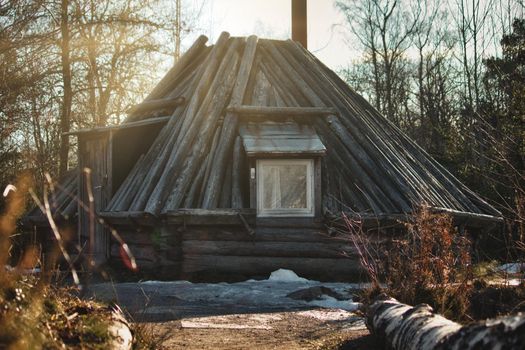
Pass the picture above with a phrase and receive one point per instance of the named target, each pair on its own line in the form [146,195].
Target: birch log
[402,326]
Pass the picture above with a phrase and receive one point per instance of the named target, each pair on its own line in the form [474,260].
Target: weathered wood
[154,164]
[304,94]
[105,129]
[402,326]
[270,249]
[211,197]
[253,183]
[226,191]
[209,216]
[172,75]
[318,194]
[118,197]
[280,139]
[217,104]
[129,217]
[356,105]
[237,162]
[147,106]
[394,190]
[339,269]
[135,237]
[302,79]
[181,146]
[262,234]
[265,111]
[95,155]
[195,194]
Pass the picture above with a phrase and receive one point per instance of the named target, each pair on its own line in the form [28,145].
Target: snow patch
[516,267]
[514,282]
[332,303]
[284,275]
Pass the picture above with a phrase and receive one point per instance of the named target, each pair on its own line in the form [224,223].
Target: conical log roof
[370,165]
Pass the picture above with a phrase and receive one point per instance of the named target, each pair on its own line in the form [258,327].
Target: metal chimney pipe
[299,15]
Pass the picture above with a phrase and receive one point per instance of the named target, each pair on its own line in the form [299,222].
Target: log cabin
[241,160]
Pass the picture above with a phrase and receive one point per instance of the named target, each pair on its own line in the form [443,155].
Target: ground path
[244,315]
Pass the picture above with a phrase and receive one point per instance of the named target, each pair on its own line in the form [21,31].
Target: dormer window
[285,187]
[285,162]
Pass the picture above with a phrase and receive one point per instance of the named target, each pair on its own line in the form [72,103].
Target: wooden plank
[280,138]
[264,111]
[270,249]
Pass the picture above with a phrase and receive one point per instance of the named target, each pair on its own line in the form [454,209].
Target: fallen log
[402,326]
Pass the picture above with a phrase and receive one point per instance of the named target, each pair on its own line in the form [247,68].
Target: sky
[272,19]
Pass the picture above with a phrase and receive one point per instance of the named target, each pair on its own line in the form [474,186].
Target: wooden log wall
[310,252]
[205,252]
[157,251]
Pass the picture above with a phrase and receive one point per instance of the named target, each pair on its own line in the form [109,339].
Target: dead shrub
[431,263]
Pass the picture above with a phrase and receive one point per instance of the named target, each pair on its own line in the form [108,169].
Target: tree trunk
[66,77]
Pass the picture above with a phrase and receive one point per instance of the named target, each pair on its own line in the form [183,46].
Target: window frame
[311,194]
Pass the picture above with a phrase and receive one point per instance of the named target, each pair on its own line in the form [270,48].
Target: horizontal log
[324,269]
[263,111]
[136,237]
[469,219]
[210,216]
[155,105]
[295,222]
[402,326]
[140,252]
[147,252]
[269,249]
[130,218]
[262,234]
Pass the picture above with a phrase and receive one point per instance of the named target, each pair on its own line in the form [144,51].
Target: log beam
[156,105]
[263,111]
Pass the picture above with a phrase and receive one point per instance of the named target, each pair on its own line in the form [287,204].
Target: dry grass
[35,314]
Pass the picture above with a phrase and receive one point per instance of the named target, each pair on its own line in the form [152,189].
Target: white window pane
[293,186]
[285,186]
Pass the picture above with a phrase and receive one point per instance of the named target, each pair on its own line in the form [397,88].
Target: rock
[121,337]
[315,293]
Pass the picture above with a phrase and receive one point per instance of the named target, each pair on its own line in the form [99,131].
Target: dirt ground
[244,315]
[282,330]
